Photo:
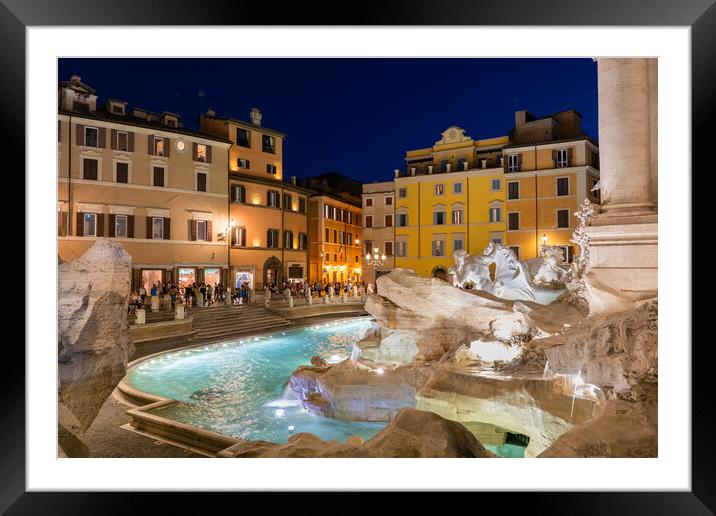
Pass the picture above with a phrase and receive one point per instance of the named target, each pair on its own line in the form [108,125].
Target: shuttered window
[513,190]
[513,221]
[272,199]
[288,239]
[201,230]
[438,248]
[158,176]
[122,172]
[238,193]
[238,236]
[201,182]
[89,224]
[495,214]
[272,238]
[243,163]
[439,218]
[119,226]
[302,205]
[302,241]
[562,186]
[90,169]
[243,137]
[562,218]
[514,162]
[91,137]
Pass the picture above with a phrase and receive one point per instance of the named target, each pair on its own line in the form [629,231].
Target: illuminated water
[239,388]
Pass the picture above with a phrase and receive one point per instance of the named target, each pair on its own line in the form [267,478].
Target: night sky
[353,116]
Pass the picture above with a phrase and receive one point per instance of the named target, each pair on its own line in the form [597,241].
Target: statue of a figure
[472,269]
[512,279]
[552,272]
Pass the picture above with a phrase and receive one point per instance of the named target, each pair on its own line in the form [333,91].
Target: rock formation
[411,433]
[94,341]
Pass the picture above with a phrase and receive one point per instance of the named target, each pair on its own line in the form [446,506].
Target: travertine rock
[411,433]
[358,392]
[94,341]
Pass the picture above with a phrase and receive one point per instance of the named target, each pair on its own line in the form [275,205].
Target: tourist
[286,292]
[154,290]
[307,291]
[142,293]
[318,288]
[209,294]
[202,294]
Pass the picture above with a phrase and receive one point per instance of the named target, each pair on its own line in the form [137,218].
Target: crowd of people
[206,294]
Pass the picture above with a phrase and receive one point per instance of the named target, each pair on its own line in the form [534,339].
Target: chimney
[396,172]
[75,78]
[255,115]
[210,112]
[520,117]
[293,180]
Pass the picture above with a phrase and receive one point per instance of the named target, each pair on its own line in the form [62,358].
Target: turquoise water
[238,388]
[507,451]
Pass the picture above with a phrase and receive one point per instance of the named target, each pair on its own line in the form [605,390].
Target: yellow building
[145,181]
[268,233]
[520,190]
[451,196]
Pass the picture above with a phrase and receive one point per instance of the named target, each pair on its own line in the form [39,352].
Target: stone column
[624,235]
[625,145]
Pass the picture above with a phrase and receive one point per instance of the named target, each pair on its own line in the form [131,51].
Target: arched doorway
[440,273]
[273,272]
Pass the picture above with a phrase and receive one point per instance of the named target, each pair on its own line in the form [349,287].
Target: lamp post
[376,260]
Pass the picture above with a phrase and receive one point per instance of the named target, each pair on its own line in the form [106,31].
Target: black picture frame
[700,15]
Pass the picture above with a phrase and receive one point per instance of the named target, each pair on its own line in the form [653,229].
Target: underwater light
[280,412]
[256,339]
[291,428]
[380,370]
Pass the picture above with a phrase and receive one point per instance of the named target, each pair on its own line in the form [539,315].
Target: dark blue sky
[354,116]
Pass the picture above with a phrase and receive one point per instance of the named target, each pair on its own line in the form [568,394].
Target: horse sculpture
[472,269]
[512,279]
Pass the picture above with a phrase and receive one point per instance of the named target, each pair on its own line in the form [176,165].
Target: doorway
[151,277]
[186,276]
[212,276]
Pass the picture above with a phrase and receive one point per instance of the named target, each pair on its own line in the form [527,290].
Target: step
[242,330]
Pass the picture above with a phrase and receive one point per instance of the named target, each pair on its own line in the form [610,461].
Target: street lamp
[544,239]
[376,260]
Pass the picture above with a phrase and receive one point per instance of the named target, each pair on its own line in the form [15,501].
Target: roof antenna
[201,100]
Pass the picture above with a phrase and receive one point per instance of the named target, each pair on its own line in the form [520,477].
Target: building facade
[142,179]
[378,228]
[520,190]
[268,227]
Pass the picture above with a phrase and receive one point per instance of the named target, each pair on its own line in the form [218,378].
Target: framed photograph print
[422,247]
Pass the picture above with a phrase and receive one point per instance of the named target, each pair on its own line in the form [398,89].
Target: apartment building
[378,228]
[268,226]
[142,179]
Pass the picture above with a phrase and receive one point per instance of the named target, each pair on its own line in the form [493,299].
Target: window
[268,143]
[368,247]
[326,211]
[200,182]
[461,165]
[302,241]
[368,202]
[238,193]
[122,172]
[340,215]
[349,217]
[369,221]
[271,169]
[122,141]
[402,192]
[562,158]
[402,219]
[496,240]
[496,185]
[349,240]
[438,248]
[243,163]
[158,146]
[272,199]
[157,228]
[335,257]
[328,235]
[514,162]
[388,221]
[495,214]
[562,186]
[444,165]
[201,230]
[388,201]
[341,238]
[562,218]
[158,176]
[516,250]
[272,238]
[457,216]
[457,188]
[335,236]
[401,248]
[287,201]
[388,249]
[567,253]
[439,189]
[439,218]
[91,137]
[302,205]
[201,153]
[120,226]
[513,221]
[243,137]
[513,190]
[288,239]
[238,236]
[89,224]
[90,169]
[457,244]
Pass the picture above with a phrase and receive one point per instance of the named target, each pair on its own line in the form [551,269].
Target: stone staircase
[225,322]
